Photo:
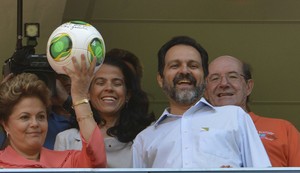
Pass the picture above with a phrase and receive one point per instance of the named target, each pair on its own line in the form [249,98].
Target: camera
[24,59]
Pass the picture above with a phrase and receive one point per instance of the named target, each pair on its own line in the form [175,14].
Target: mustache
[182,76]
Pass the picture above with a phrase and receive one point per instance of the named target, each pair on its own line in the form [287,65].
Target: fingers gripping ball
[73,39]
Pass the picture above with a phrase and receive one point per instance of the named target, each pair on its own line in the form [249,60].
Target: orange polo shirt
[281,140]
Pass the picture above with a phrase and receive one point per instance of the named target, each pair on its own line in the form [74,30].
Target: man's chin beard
[187,96]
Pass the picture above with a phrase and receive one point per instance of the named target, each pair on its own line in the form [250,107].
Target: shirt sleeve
[137,153]
[293,146]
[253,152]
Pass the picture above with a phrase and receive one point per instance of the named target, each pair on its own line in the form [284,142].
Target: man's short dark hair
[184,40]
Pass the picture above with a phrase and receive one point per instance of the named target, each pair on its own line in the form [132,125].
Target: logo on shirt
[267,135]
[205,129]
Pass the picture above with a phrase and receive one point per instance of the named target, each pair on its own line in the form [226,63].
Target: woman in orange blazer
[24,106]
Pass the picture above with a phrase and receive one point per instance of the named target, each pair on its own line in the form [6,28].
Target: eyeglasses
[231,77]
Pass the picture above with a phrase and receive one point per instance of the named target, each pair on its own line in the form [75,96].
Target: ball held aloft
[73,39]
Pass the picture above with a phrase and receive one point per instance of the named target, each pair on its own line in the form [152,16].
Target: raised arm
[93,151]
[81,78]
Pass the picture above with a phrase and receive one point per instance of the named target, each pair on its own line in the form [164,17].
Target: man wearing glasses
[230,83]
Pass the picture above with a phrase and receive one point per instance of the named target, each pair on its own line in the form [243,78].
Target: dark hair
[185,40]
[129,57]
[134,116]
[246,68]
[246,71]
[21,86]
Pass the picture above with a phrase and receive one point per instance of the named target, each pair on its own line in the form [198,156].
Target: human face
[183,77]
[108,90]
[226,84]
[27,125]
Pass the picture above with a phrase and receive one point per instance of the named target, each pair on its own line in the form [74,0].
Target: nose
[224,81]
[184,69]
[108,86]
[34,122]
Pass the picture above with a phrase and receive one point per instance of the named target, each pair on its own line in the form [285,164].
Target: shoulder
[147,132]
[222,109]
[275,122]
[70,133]
[52,153]
[233,115]
[58,156]
[230,111]
[228,107]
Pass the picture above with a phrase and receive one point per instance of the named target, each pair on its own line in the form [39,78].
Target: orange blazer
[92,155]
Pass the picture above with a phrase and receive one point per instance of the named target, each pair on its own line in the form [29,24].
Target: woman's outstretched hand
[81,77]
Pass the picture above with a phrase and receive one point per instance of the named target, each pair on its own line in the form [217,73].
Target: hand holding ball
[72,39]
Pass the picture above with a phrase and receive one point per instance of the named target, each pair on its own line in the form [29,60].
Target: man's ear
[159,80]
[250,85]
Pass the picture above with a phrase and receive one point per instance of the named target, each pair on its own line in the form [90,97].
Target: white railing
[156,170]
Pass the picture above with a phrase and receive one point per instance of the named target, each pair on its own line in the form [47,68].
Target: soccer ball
[73,39]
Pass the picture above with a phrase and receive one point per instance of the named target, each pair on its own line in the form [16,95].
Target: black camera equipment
[24,58]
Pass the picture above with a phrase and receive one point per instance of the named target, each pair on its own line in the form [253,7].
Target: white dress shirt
[118,154]
[203,137]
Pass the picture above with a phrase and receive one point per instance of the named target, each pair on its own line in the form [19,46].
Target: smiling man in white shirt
[191,133]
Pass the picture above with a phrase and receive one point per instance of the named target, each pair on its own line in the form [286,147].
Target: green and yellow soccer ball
[72,39]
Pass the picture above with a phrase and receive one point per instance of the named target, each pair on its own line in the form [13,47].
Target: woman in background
[130,59]
[115,97]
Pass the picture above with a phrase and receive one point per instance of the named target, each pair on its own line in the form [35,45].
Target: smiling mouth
[108,98]
[225,94]
[34,133]
[184,82]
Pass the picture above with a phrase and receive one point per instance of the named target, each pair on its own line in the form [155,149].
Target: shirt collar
[201,103]
[162,117]
[204,102]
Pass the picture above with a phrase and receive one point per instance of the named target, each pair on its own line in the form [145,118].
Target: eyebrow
[113,79]
[227,73]
[179,61]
